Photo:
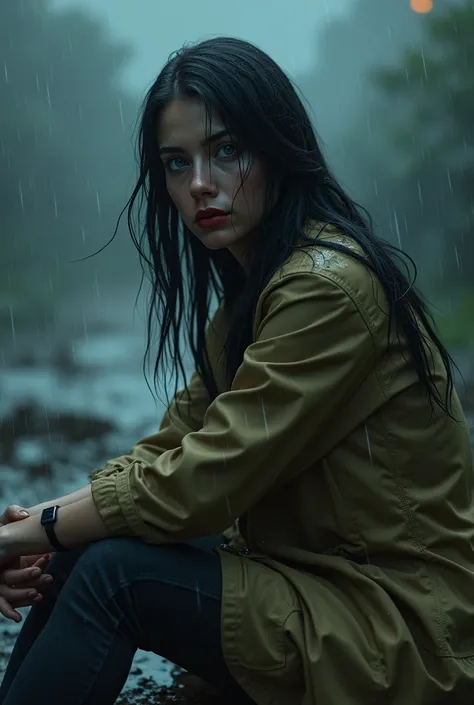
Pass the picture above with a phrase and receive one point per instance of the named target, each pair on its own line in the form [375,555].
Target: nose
[202,182]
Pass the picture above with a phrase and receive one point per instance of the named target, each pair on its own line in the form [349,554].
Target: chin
[218,239]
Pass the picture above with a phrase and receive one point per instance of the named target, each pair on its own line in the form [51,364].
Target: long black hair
[261,108]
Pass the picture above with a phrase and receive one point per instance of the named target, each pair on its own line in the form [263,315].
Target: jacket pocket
[264,642]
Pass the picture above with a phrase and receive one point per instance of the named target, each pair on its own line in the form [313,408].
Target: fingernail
[38,598]
[24,513]
[35,572]
[32,593]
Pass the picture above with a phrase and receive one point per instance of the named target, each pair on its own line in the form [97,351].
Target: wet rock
[186,689]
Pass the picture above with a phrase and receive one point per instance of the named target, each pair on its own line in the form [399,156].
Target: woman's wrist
[78,524]
[25,537]
[7,542]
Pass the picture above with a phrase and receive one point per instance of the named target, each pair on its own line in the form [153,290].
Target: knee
[106,555]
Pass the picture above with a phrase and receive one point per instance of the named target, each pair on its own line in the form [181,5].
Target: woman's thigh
[165,599]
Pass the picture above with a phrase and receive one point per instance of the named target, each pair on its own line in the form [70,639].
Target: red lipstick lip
[209,213]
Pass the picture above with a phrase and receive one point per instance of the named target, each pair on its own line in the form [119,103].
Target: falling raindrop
[265,418]
[97,290]
[397,229]
[99,210]
[198,597]
[420,195]
[367,439]
[121,114]
[20,193]
[424,63]
[55,205]
[458,261]
[12,323]
[5,71]
[48,95]
[448,172]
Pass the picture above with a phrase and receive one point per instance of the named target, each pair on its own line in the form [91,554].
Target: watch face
[49,515]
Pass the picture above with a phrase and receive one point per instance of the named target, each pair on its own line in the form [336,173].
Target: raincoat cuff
[114,502]
[105,471]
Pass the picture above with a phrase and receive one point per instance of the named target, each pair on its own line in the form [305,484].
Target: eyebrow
[208,140]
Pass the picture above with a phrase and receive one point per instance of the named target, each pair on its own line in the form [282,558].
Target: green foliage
[456,322]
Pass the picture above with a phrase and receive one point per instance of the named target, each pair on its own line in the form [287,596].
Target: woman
[320,424]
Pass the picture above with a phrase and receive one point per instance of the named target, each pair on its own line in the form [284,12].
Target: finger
[8,611]
[40,584]
[13,513]
[27,603]
[18,604]
[15,596]
[41,559]
[17,576]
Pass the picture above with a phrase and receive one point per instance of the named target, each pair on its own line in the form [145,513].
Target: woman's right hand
[22,583]
[22,580]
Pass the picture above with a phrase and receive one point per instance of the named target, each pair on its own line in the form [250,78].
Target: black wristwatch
[49,516]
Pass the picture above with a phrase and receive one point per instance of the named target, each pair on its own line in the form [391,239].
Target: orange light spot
[421,6]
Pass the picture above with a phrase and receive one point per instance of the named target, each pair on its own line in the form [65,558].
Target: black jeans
[108,600]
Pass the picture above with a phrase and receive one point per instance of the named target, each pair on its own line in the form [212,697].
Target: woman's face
[206,169]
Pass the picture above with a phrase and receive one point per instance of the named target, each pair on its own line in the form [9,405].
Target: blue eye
[230,150]
[173,166]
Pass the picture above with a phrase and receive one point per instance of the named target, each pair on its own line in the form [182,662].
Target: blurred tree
[431,130]
[65,153]
[400,137]
[339,89]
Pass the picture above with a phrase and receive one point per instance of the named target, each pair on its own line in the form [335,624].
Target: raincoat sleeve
[313,346]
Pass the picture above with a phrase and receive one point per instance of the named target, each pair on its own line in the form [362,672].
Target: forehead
[186,121]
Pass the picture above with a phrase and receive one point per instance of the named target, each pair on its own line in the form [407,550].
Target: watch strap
[48,520]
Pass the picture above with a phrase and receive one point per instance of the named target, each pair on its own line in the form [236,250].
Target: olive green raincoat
[350,574]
